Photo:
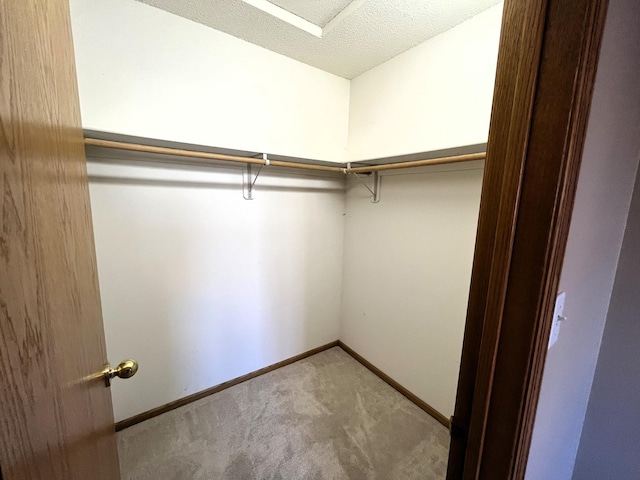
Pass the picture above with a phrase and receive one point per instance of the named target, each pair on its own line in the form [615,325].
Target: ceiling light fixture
[292,19]
[286,16]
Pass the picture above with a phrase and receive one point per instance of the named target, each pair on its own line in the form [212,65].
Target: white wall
[201,286]
[434,96]
[602,202]
[610,439]
[408,259]
[406,276]
[148,73]
[207,286]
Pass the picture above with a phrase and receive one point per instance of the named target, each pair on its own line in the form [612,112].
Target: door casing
[545,75]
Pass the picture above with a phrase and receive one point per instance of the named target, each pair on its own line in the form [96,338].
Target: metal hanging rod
[136,147]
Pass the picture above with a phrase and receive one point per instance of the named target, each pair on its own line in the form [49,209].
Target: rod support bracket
[248,182]
[375,189]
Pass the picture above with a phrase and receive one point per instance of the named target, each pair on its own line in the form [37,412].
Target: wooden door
[56,419]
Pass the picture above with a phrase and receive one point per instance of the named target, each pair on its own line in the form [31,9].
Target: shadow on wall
[407,271]
[209,286]
[229,178]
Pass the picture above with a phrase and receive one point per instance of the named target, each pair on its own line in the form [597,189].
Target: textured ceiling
[371,34]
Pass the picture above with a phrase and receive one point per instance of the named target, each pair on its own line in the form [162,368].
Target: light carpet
[324,417]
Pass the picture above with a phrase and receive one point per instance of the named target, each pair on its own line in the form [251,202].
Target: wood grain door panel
[56,418]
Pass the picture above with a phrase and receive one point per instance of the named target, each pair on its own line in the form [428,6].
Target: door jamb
[546,71]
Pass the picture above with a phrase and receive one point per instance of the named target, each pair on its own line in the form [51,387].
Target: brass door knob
[126,369]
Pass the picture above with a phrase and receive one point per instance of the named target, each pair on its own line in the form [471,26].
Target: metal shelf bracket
[248,182]
[375,191]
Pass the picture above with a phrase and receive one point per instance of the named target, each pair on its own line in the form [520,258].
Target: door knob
[126,369]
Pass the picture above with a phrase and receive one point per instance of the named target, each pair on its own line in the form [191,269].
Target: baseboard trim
[404,391]
[154,412]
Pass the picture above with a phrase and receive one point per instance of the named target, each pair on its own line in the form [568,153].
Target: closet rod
[195,154]
[420,163]
[135,147]
[278,163]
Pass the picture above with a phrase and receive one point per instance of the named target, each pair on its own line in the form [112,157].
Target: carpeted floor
[324,417]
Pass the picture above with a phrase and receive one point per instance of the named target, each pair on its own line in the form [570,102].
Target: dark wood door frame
[544,82]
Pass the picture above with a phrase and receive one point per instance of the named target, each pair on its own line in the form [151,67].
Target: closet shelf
[139,147]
